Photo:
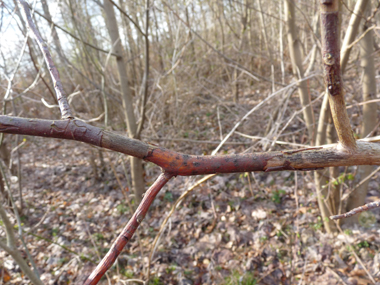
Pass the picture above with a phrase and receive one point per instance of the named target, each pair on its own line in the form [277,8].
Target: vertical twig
[330,31]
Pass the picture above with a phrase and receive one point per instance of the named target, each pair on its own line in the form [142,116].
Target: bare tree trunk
[296,57]
[145,82]
[132,49]
[266,41]
[332,194]
[281,42]
[158,43]
[136,163]
[357,198]
[244,22]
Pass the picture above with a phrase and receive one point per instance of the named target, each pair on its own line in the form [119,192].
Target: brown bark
[332,74]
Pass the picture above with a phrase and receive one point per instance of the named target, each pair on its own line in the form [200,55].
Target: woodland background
[194,70]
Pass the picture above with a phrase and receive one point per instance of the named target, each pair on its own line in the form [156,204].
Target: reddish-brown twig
[367,152]
[129,229]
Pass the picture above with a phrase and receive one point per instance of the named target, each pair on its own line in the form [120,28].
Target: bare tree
[357,198]
[296,57]
[136,163]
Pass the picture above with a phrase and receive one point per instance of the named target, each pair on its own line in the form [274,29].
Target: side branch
[366,153]
[129,230]
[357,210]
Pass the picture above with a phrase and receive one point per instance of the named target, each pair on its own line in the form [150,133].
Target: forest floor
[261,228]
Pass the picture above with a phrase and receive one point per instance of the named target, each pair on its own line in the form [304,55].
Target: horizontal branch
[367,152]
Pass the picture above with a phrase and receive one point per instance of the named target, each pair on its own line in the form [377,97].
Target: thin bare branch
[357,210]
[129,18]
[73,36]
[129,229]
[61,97]
[216,50]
